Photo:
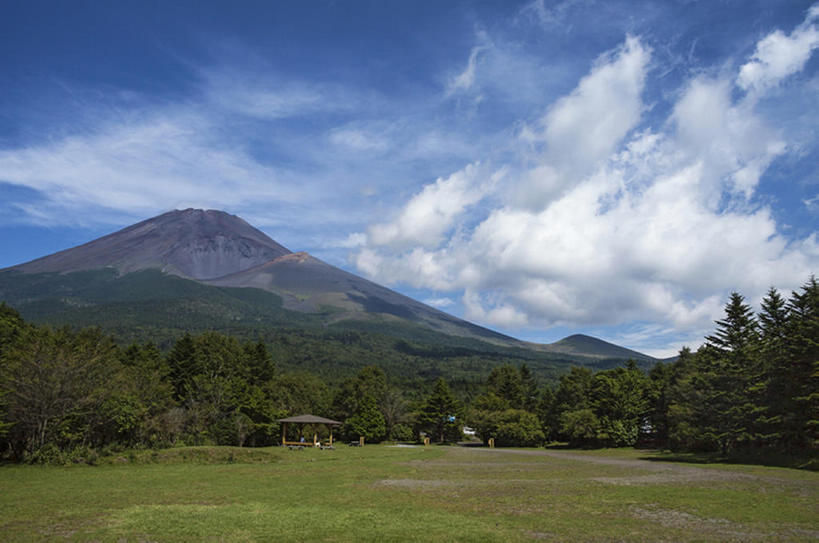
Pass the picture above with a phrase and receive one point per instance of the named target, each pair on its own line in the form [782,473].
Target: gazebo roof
[310,419]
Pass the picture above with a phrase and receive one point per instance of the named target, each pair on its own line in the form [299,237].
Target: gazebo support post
[284,433]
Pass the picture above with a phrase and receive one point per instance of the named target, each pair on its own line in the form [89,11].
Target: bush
[402,432]
[580,426]
[510,428]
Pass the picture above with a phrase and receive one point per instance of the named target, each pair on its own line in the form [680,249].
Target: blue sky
[541,168]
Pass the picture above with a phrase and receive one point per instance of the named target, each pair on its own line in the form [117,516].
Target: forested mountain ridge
[149,306]
[219,249]
[196,270]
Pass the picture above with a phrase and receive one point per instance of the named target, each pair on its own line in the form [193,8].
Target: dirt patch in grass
[674,477]
[416,484]
[715,528]
[539,535]
[709,527]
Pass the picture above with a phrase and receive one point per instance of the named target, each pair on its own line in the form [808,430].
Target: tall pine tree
[773,390]
[733,376]
[800,423]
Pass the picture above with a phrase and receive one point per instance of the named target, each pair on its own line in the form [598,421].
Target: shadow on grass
[769,460]
[806,461]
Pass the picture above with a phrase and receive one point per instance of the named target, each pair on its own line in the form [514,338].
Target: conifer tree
[367,421]
[773,387]
[528,382]
[733,376]
[800,421]
[260,364]
[182,365]
[440,413]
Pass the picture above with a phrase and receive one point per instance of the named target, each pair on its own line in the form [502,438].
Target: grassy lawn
[383,493]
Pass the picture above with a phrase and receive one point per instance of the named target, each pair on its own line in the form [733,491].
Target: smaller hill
[580,344]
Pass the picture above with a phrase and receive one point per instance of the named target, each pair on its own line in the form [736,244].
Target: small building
[306,420]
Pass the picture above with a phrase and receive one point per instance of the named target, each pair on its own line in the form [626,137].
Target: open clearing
[384,493]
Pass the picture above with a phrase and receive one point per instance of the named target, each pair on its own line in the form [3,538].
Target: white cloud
[441,303]
[431,213]
[358,140]
[550,16]
[356,239]
[778,55]
[583,128]
[254,92]
[479,309]
[608,224]
[466,79]
[148,163]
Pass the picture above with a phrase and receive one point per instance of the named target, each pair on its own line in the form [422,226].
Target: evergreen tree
[773,389]
[659,396]
[369,381]
[619,399]
[182,365]
[367,421]
[440,414]
[737,332]
[732,377]
[505,382]
[528,384]
[260,366]
[773,320]
[572,394]
[800,376]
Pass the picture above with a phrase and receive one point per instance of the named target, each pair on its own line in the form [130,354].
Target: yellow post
[331,436]
[426,441]
[361,441]
[315,438]
[284,433]
[491,442]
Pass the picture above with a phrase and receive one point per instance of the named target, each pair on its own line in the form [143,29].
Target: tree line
[752,386]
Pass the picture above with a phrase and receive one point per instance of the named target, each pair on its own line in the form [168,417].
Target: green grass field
[381,493]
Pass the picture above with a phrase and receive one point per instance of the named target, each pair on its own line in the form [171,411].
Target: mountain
[197,270]
[219,249]
[580,344]
[194,244]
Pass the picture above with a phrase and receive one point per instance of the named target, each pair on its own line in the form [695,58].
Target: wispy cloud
[466,79]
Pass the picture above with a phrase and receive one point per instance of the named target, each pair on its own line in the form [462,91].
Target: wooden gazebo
[304,420]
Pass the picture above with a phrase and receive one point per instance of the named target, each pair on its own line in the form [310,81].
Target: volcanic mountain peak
[216,249]
[192,243]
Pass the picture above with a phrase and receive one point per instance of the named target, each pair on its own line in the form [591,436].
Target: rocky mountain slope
[194,244]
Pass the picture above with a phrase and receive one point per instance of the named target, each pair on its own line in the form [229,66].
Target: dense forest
[71,395]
